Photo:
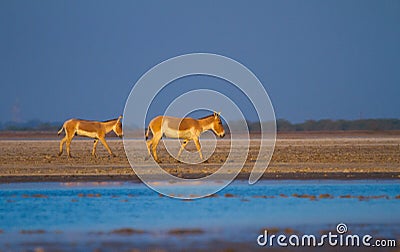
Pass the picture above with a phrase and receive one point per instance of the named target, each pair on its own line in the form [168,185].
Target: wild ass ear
[119,118]
[219,113]
[215,114]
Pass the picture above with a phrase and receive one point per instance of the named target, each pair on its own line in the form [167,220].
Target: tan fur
[182,128]
[92,129]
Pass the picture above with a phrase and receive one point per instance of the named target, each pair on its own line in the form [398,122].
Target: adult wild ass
[183,128]
[92,129]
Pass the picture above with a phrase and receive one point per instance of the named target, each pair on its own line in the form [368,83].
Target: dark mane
[86,120]
[206,116]
[110,120]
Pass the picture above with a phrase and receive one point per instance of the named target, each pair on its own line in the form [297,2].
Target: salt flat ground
[301,154]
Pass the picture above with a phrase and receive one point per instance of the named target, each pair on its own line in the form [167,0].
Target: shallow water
[88,212]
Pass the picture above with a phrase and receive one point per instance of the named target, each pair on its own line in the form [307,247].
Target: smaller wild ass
[92,129]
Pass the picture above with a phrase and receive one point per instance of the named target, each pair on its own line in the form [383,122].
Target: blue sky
[316,59]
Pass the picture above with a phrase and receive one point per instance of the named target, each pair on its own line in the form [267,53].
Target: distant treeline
[34,125]
[282,125]
[335,125]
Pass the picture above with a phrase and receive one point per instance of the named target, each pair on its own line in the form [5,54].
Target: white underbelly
[172,133]
[86,133]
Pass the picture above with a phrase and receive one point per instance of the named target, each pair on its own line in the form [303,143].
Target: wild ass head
[118,127]
[217,126]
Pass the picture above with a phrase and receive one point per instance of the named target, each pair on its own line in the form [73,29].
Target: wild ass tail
[61,130]
[147,132]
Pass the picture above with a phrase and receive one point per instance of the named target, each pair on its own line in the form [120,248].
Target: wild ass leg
[62,144]
[198,147]
[68,147]
[96,141]
[103,141]
[148,144]
[156,139]
[183,145]
[69,135]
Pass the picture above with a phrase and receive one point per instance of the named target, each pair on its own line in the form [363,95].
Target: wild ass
[92,129]
[183,128]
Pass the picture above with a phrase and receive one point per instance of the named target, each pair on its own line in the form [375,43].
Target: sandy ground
[33,157]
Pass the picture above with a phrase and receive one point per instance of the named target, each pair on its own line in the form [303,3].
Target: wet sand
[32,156]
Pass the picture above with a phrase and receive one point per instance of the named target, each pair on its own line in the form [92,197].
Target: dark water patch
[37,195]
[185,231]
[365,197]
[39,231]
[97,233]
[259,196]
[379,197]
[325,196]
[303,196]
[93,195]
[362,197]
[312,197]
[229,195]
[263,196]
[89,195]
[127,231]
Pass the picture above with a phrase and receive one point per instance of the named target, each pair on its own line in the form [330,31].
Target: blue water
[60,207]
